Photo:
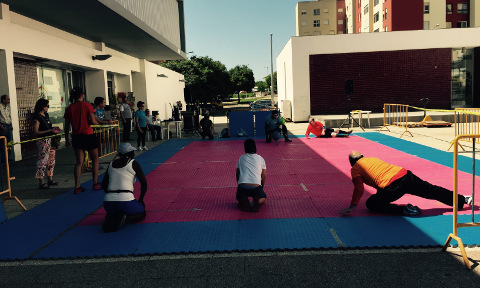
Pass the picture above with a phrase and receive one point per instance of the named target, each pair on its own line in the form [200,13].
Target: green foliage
[261,86]
[242,78]
[267,80]
[206,79]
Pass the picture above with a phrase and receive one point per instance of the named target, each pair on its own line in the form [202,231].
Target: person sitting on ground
[99,105]
[119,201]
[251,178]
[392,182]
[317,129]
[206,127]
[273,125]
[155,130]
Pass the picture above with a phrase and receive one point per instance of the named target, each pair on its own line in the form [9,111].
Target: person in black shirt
[206,126]
[46,147]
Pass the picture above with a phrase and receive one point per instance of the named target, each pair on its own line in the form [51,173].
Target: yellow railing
[395,115]
[8,191]
[456,225]
[467,121]
[108,137]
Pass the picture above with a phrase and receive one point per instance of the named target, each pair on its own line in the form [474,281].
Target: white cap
[124,148]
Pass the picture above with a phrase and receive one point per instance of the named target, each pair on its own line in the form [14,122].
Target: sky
[237,32]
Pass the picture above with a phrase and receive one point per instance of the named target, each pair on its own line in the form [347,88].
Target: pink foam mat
[305,178]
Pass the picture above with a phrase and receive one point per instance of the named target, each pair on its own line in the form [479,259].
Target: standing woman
[80,115]
[141,125]
[46,151]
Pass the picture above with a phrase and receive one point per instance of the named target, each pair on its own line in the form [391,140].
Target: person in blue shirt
[99,105]
[273,125]
[141,125]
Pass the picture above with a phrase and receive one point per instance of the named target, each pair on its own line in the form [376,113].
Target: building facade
[398,67]
[321,17]
[104,46]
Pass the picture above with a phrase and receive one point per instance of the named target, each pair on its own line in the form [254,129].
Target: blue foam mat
[3,215]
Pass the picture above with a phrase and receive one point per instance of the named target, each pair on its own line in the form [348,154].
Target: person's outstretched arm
[357,195]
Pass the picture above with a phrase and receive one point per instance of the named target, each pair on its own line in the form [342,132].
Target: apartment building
[321,17]
[103,46]
[402,15]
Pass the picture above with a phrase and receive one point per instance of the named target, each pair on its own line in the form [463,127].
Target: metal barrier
[8,191]
[467,121]
[108,140]
[395,115]
[456,225]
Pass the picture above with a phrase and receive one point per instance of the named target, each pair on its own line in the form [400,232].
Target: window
[325,22]
[462,8]
[426,8]
[316,11]
[304,23]
[316,33]
[448,25]
[376,17]
[365,9]
[306,33]
[462,24]
[385,14]
[449,9]
[359,17]
[375,2]
[386,29]
[304,12]
[316,23]
[340,22]
[340,10]
[359,30]
[325,10]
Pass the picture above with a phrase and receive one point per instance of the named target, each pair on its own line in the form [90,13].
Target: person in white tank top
[251,176]
[119,202]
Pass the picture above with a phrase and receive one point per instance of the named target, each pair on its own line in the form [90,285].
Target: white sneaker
[140,148]
[468,200]
[145,148]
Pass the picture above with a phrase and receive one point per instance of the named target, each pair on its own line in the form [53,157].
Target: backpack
[224,133]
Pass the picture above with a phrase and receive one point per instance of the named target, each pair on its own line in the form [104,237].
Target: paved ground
[323,268]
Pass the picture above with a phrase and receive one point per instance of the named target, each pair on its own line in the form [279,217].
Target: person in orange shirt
[316,128]
[392,182]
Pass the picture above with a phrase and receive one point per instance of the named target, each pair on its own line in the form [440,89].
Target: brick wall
[401,77]
[26,83]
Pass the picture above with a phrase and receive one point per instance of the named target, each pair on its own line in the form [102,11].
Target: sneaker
[349,132]
[79,190]
[97,186]
[140,148]
[288,140]
[410,210]
[145,148]
[469,200]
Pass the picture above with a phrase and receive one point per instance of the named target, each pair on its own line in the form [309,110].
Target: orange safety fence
[456,225]
[395,115]
[8,191]
[467,121]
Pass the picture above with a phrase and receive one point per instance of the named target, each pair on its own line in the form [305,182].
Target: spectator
[108,113]
[6,122]
[46,148]
[155,130]
[251,178]
[125,116]
[119,202]
[99,105]
[78,115]
[206,127]
[273,125]
[317,129]
[141,125]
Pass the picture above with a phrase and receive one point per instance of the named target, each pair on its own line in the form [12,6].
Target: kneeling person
[119,201]
[250,178]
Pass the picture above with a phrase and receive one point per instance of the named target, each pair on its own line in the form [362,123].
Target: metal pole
[271,68]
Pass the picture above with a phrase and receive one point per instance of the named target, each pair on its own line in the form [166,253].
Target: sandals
[52,183]
[43,186]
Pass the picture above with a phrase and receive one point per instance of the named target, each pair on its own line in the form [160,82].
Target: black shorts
[254,192]
[85,141]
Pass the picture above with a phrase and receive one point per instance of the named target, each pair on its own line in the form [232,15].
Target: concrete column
[96,84]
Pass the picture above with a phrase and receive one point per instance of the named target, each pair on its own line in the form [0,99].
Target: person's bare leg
[94,157]
[79,157]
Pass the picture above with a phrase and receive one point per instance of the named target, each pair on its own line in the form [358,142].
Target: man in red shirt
[316,128]
[392,182]
[79,115]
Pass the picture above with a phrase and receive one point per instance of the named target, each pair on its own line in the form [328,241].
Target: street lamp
[271,68]
[188,53]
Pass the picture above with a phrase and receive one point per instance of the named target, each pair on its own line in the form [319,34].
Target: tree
[205,78]
[261,86]
[267,80]
[241,78]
